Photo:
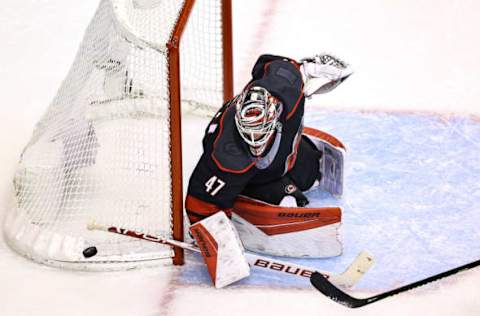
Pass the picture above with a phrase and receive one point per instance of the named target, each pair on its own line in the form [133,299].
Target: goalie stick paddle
[347,279]
[330,290]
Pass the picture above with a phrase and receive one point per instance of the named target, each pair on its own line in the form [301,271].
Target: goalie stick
[348,278]
[333,292]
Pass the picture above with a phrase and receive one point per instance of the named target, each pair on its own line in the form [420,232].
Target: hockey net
[108,146]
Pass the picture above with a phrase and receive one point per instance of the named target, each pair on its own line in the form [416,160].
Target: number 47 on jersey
[213,185]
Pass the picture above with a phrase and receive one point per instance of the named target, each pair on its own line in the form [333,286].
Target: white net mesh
[101,151]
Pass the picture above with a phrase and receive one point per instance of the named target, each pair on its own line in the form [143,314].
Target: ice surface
[408,55]
[411,196]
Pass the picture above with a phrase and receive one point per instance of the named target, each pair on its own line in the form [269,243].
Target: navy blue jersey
[227,166]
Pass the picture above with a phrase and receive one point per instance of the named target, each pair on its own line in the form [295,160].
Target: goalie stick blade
[334,293]
[354,272]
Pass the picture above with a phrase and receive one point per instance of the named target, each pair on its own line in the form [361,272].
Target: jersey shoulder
[282,78]
[223,145]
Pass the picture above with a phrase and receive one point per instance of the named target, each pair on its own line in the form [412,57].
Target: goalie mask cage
[109,146]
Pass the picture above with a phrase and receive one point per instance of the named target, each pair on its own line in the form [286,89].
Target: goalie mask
[257,117]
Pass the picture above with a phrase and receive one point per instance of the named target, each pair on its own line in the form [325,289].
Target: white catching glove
[323,73]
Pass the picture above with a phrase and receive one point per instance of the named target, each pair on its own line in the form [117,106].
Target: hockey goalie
[259,160]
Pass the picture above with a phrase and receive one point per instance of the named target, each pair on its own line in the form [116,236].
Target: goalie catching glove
[323,73]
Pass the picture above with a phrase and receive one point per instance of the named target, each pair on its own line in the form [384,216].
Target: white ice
[409,56]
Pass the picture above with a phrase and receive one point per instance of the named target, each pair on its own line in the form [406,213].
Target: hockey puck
[90,252]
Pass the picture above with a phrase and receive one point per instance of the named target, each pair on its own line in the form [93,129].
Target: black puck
[90,252]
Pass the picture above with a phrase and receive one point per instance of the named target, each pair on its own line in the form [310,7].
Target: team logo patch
[290,189]
[232,149]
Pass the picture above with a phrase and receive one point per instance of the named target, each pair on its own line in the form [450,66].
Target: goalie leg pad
[287,231]
[332,161]
[221,249]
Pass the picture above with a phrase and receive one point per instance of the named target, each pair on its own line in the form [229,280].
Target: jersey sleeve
[211,189]
[259,68]
[223,170]
[281,76]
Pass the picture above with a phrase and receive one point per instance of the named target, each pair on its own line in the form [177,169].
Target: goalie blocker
[221,249]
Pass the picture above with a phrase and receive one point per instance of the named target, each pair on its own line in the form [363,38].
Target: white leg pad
[322,242]
[288,231]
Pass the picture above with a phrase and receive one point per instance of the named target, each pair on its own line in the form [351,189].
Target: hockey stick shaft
[346,279]
[140,235]
[334,293]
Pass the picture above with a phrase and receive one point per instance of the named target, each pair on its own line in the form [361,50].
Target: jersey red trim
[198,209]
[219,165]
[208,246]
[296,105]
[296,64]
[292,157]
[272,230]
[266,66]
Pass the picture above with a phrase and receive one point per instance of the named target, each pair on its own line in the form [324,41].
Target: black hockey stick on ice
[348,278]
[328,289]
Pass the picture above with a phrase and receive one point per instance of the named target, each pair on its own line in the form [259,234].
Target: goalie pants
[300,178]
